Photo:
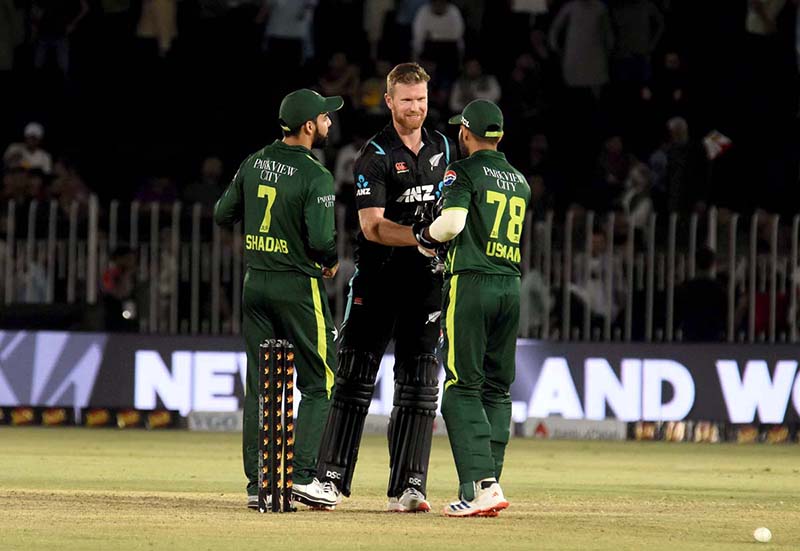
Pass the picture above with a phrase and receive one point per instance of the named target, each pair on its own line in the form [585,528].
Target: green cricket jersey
[495,195]
[285,197]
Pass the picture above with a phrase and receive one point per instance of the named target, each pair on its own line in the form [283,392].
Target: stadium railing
[586,276]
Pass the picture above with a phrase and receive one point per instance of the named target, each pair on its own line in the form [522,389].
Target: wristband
[419,230]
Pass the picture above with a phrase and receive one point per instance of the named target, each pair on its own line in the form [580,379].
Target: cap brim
[457,119]
[333,103]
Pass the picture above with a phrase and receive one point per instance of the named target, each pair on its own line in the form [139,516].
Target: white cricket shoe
[410,501]
[252,502]
[488,502]
[317,495]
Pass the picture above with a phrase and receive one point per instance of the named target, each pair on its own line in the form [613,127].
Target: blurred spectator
[158,25]
[472,85]
[406,11]
[762,16]
[287,35]
[614,161]
[209,187]
[29,153]
[397,33]
[537,45]
[546,192]
[15,185]
[375,13]
[658,168]
[635,200]
[117,288]
[546,63]
[53,21]
[762,307]
[158,189]
[473,12]
[701,303]
[11,33]
[36,184]
[768,55]
[590,290]
[373,88]
[341,78]
[669,87]
[613,165]
[438,36]
[686,170]
[542,199]
[585,45]
[523,95]
[438,94]
[343,172]
[31,281]
[638,26]
[539,155]
[67,185]
[534,304]
[168,282]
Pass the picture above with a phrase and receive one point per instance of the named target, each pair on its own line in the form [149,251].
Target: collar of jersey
[300,148]
[394,138]
[489,153]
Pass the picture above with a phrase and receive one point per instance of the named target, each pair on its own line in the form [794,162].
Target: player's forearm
[321,226]
[448,225]
[324,250]
[391,234]
[227,211]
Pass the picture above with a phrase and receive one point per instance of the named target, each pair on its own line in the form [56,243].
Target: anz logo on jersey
[363,186]
[417,194]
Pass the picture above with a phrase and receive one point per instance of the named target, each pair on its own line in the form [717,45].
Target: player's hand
[426,252]
[419,230]
[328,273]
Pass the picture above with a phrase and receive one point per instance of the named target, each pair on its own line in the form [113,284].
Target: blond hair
[405,73]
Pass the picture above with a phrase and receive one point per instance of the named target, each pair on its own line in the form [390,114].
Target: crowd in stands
[627,106]
[607,102]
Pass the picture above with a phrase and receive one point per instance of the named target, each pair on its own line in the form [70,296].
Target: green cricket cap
[304,105]
[482,118]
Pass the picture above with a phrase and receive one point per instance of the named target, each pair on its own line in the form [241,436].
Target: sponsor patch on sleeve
[449,177]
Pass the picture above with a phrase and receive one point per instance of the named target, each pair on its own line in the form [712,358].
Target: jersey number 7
[269,193]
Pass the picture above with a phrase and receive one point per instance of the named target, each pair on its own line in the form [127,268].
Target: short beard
[320,141]
[404,123]
[462,146]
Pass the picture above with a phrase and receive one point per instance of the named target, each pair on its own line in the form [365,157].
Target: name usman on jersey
[417,194]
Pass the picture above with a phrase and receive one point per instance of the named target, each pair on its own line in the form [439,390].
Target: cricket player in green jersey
[484,204]
[285,199]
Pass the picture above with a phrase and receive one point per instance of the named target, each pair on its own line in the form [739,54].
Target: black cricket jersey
[388,175]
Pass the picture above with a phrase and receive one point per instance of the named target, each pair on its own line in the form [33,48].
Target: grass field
[82,489]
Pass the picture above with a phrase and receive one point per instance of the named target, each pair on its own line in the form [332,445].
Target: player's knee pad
[355,377]
[411,425]
[415,384]
[355,382]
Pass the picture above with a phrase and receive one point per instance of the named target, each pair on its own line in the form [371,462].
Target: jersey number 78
[516,211]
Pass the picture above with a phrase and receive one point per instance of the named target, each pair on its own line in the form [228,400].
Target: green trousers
[480,322]
[293,306]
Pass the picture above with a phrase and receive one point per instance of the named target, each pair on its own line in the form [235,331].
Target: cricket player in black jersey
[393,295]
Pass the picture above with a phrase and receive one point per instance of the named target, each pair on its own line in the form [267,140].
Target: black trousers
[394,302]
[400,302]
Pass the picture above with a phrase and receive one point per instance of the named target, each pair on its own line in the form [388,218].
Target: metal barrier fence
[586,277]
